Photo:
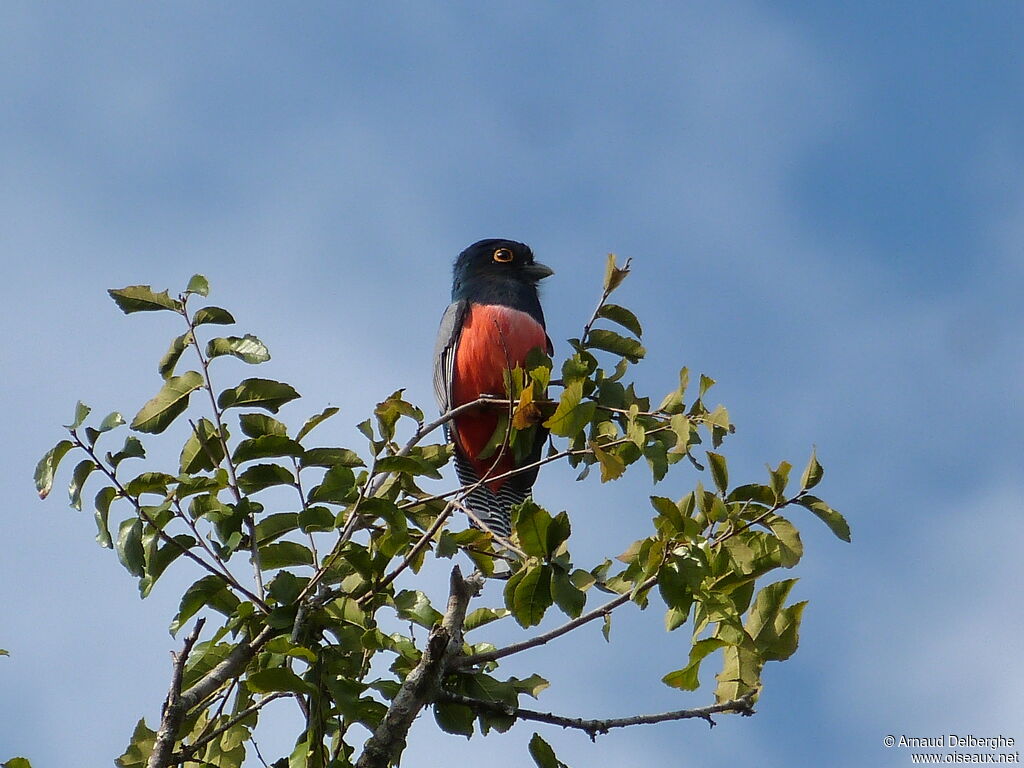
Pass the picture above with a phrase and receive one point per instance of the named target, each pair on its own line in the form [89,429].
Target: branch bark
[384,747]
[593,728]
[173,713]
[179,703]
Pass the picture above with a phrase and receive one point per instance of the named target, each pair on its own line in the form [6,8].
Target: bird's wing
[444,352]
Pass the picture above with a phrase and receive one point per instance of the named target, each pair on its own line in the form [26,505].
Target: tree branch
[173,712]
[179,703]
[743,706]
[384,747]
[250,523]
[533,642]
[226,575]
[424,540]
[191,749]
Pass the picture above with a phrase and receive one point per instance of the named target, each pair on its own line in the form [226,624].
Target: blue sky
[825,208]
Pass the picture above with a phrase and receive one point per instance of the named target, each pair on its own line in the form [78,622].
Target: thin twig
[173,712]
[743,706]
[304,503]
[604,298]
[164,536]
[425,539]
[191,749]
[596,613]
[602,610]
[232,477]
[485,527]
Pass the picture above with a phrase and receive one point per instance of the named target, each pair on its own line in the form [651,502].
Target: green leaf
[209,590]
[274,526]
[686,678]
[129,546]
[835,521]
[760,623]
[622,316]
[169,403]
[82,471]
[190,485]
[81,413]
[338,483]
[261,476]
[149,482]
[483,616]
[791,549]
[454,718]
[614,275]
[612,466]
[198,284]
[610,341]
[47,467]
[406,465]
[316,519]
[260,424]
[246,348]
[569,599]
[706,383]
[330,457]
[266,447]
[15,762]
[531,524]
[528,595]
[571,416]
[258,393]
[762,494]
[787,631]
[315,421]
[141,747]
[142,298]
[413,605]
[111,421]
[173,354]
[812,474]
[719,471]
[675,589]
[102,504]
[284,554]
[278,679]
[780,477]
[203,450]
[161,557]
[541,752]
[132,449]
[212,316]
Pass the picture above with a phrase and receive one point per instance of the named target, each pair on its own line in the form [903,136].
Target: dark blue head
[497,271]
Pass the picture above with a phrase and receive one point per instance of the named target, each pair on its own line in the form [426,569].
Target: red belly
[493,339]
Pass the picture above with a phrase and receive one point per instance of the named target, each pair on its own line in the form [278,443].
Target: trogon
[492,324]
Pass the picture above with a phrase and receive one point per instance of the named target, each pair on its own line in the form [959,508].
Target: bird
[493,322]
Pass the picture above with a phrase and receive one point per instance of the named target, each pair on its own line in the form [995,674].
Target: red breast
[493,339]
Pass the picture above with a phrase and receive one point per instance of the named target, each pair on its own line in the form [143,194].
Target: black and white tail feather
[493,509]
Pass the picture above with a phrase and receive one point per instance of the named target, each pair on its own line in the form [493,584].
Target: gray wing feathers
[444,353]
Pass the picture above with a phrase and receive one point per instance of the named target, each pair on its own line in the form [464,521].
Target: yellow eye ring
[503,256]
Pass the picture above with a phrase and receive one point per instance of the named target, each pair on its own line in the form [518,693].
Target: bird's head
[494,267]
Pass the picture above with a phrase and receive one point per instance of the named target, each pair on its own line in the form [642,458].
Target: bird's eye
[503,255]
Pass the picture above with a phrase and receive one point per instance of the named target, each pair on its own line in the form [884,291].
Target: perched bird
[492,324]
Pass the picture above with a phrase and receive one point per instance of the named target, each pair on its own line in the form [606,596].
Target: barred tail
[493,509]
